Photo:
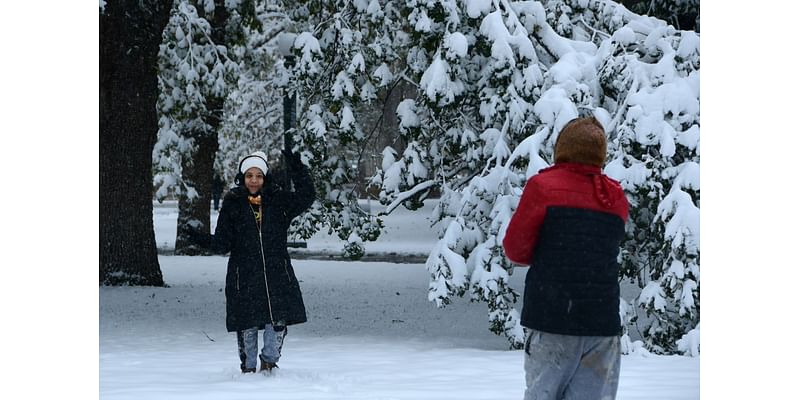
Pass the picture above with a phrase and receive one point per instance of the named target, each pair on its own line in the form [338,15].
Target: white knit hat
[258,159]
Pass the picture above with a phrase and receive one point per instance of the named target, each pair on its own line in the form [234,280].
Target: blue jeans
[270,352]
[571,367]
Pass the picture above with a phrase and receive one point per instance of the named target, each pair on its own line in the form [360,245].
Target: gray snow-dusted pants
[564,367]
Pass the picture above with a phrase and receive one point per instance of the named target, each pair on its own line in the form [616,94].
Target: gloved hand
[293,160]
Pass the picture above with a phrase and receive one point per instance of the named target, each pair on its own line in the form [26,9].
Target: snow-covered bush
[485,120]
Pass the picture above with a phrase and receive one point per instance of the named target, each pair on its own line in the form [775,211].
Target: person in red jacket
[568,228]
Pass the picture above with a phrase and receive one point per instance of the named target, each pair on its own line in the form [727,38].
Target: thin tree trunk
[130,34]
[385,115]
[196,212]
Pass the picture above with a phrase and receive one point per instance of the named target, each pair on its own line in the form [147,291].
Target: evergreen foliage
[485,121]
[495,81]
[194,71]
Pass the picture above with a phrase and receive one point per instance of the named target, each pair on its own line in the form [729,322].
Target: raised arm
[304,193]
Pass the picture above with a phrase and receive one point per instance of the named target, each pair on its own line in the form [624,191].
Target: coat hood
[606,190]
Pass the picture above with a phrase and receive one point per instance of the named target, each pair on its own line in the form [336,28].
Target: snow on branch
[403,196]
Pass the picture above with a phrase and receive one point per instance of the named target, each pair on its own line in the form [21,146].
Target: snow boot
[267,367]
[248,370]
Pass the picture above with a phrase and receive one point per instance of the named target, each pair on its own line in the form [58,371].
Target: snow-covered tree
[497,81]
[347,62]
[485,117]
[479,78]
[196,70]
[653,71]
[494,82]
[683,14]
[253,108]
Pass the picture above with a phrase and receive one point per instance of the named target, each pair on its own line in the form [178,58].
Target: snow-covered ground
[371,334]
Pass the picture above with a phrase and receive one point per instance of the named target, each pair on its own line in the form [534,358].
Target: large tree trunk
[130,34]
[199,171]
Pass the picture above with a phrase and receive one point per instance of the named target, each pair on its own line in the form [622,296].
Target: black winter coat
[261,287]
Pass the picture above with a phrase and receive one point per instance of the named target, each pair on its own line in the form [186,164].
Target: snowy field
[371,334]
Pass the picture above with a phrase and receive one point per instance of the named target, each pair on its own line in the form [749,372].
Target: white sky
[49,251]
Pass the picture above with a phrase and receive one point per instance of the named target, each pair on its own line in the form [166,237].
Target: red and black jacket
[568,227]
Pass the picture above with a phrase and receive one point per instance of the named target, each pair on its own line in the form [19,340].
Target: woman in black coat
[261,289]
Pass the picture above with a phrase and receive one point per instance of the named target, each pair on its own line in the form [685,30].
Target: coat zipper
[264,264]
[286,269]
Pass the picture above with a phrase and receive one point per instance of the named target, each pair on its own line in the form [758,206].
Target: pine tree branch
[594,31]
[403,196]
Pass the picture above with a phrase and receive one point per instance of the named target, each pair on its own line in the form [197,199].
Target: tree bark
[197,212]
[130,34]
